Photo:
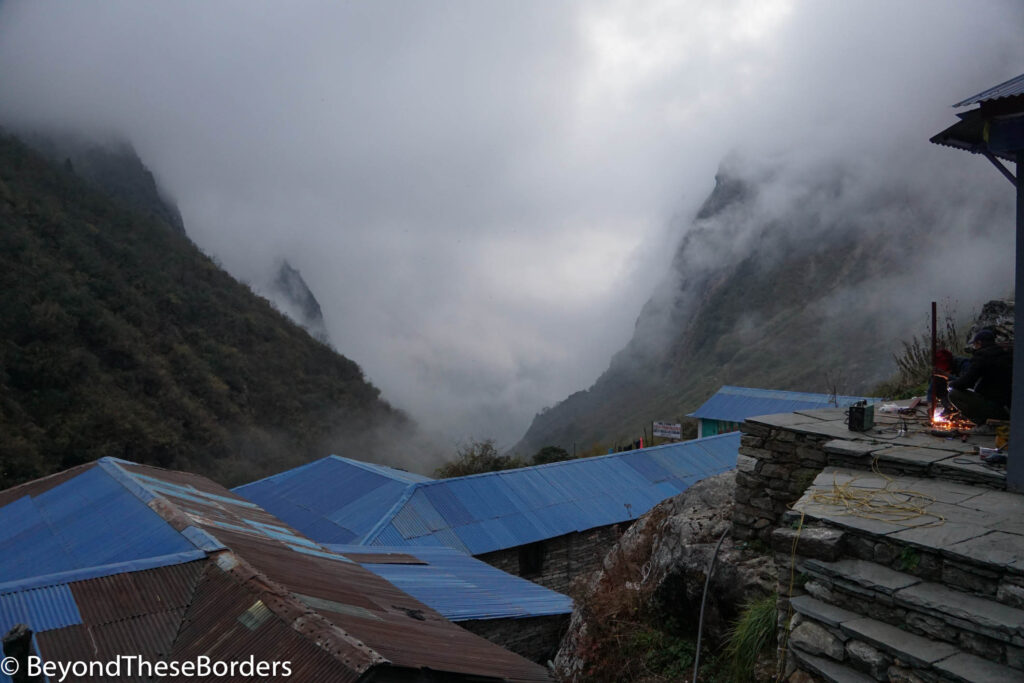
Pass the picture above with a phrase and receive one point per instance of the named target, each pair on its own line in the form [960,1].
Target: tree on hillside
[476,457]
[549,454]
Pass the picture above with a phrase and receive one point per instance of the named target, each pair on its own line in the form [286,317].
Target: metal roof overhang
[969,134]
[993,136]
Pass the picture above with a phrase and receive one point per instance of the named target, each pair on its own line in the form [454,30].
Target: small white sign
[668,430]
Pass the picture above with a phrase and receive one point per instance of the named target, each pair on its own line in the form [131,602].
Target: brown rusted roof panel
[121,596]
[228,622]
[376,618]
[66,644]
[387,620]
[149,635]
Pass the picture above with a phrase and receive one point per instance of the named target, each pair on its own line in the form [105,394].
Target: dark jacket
[989,374]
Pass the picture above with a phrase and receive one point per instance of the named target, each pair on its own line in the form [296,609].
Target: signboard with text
[668,430]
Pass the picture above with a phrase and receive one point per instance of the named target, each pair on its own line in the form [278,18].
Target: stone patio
[900,554]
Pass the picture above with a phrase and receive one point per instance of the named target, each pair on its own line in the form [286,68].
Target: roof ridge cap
[161,505]
[393,510]
[99,570]
[289,472]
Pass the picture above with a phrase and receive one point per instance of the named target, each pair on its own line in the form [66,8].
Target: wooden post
[931,382]
[1015,461]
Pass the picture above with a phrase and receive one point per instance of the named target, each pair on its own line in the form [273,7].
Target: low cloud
[482,195]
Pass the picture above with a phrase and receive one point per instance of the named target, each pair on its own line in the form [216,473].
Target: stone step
[974,624]
[863,639]
[937,459]
[829,670]
[971,526]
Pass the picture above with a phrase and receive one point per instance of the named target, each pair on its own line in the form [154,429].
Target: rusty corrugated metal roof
[261,589]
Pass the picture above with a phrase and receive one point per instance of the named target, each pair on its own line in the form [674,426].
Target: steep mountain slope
[114,168]
[792,281]
[118,337]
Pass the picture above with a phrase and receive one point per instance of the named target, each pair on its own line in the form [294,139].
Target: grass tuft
[752,635]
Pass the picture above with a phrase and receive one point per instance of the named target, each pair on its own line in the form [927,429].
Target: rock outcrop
[996,315]
[656,574]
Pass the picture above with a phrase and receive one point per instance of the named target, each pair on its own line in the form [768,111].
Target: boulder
[658,568]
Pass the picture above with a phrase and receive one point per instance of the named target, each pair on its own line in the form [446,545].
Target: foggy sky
[483,195]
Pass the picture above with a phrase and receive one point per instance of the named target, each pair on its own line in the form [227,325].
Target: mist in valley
[482,197]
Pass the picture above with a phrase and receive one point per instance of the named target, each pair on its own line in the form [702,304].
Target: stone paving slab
[995,547]
[965,515]
[959,514]
[840,476]
[998,503]
[866,574]
[913,648]
[839,516]
[942,490]
[914,456]
[940,536]
[824,413]
[786,420]
[821,611]
[971,669]
[1010,526]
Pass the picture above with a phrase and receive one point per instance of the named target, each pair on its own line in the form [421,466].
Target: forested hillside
[119,337]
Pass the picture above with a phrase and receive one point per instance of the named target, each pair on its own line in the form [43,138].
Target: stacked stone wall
[774,467]
[535,638]
[565,557]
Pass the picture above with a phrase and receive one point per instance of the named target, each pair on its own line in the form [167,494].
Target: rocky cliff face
[792,281]
[292,296]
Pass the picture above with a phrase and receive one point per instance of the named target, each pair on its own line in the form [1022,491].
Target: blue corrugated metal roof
[1010,88]
[487,512]
[462,588]
[735,404]
[49,533]
[42,609]
[334,499]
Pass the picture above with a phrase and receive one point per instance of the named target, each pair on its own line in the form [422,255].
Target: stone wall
[535,638]
[861,597]
[774,467]
[565,557]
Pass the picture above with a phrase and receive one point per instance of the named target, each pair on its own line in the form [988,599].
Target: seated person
[947,368]
[983,392]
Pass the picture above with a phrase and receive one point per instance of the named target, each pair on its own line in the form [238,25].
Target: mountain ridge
[785,281]
[119,337]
